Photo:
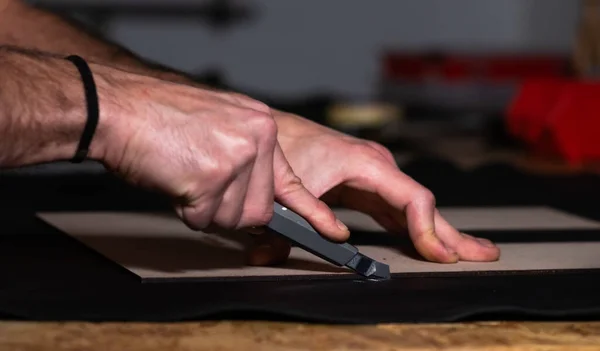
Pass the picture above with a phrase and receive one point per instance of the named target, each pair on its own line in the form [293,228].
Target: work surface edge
[228,335]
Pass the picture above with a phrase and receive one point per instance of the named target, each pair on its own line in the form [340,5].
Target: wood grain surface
[496,336]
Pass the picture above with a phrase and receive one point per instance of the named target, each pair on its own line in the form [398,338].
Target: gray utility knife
[289,224]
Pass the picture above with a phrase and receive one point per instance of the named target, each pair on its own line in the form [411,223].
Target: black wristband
[93,111]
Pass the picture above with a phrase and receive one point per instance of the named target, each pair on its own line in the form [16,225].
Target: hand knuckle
[264,126]
[260,106]
[228,171]
[257,217]
[260,120]
[195,217]
[246,151]
[380,148]
[252,103]
[264,218]
[213,170]
[425,195]
[372,150]
[270,127]
[291,184]
[247,101]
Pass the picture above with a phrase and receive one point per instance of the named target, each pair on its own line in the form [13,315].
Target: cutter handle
[292,226]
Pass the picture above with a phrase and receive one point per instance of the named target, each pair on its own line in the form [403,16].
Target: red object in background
[558,117]
[549,111]
[491,68]
[532,106]
[462,82]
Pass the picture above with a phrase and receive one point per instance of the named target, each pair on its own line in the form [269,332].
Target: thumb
[290,192]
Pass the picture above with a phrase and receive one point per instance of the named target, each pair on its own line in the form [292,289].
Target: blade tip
[382,270]
[371,268]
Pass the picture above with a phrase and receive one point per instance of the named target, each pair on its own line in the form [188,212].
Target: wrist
[122,112]
[114,109]
[42,108]
[108,106]
[74,114]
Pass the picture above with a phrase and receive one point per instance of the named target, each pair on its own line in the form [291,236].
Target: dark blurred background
[289,49]
[453,88]
[460,62]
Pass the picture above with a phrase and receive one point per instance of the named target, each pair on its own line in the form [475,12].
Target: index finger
[290,191]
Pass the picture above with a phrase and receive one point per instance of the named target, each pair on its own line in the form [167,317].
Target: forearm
[25,26]
[42,109]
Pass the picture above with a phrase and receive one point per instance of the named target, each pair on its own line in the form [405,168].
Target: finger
[260,192]
[268,250]
[231,209]
[246,101]
[198,213]
[466,246]
[290,192]
[384,152]
[420,212]
[199,216]
[373,205]
[408,198]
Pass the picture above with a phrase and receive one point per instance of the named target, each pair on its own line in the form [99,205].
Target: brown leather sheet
[157,246]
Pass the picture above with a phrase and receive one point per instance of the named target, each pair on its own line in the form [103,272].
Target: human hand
[215,154]
[363,176]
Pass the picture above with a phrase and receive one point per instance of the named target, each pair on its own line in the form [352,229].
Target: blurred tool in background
[369,120]
[586,54]
[218,15]
[458,83]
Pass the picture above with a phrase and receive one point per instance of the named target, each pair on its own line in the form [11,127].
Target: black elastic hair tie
[93,111]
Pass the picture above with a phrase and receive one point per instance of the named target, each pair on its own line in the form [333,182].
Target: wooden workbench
[281,337]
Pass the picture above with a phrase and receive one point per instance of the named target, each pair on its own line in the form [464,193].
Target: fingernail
[485,242]
[341,225]
[256,231]
[450,250]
